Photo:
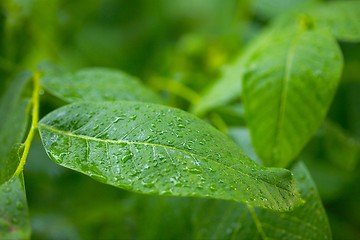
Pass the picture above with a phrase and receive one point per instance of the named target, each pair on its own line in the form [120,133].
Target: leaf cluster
[220,136]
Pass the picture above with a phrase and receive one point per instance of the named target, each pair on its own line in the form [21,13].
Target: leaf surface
[96,84]
[287,88]
[308,221]
[156,149]
[14,216]
[342,18]
[14,112]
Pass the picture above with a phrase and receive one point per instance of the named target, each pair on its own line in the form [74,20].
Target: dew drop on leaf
[126,158]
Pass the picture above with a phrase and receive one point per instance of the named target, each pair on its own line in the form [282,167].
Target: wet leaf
[160,150]
[238,221]
[96,84]
[287,88]
[14,112]
[14,216]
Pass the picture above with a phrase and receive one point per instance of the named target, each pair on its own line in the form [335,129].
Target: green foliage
[14,216]
[275,87]
[287,98]
[96,84]
[14,110]
[342,18]
[155,149]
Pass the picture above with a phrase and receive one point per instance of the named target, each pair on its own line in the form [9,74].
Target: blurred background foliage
[179,48]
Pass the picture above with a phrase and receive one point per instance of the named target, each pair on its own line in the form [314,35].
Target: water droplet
[148,184]
[195,170]
[126,157]
[232,187]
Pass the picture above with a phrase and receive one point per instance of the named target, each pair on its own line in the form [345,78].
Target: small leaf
[342,18]
[160,150]
[287,88]
[14,216]
[14,112]
[96,84]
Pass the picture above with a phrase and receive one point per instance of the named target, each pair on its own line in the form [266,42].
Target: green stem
[34,122]
[257,222]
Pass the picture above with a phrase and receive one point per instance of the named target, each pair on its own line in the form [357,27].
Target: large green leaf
[341,17]
[96,84]
[156,149]
[287,88]
[14,216]
[14,112]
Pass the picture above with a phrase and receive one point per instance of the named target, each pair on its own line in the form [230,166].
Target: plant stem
[34,122]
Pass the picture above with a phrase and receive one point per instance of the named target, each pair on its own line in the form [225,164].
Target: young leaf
[14,111]
[341,17]
[96,84]
[156,149]
[14,216]
[287,88]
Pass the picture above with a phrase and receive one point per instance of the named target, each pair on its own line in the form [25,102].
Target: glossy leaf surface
[287,88]
[155,149]
[14,216]
[97,84]
[14,111]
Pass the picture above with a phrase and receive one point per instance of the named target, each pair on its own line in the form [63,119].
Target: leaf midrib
[284,90]
[157,145]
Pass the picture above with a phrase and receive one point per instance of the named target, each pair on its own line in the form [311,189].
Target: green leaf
[342,18]
[224,90]
[96,84]
[267,9]
[14,112]
[160,150]
[338,147]
[229,86]
[14,216]
[287,88]
[220,220]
